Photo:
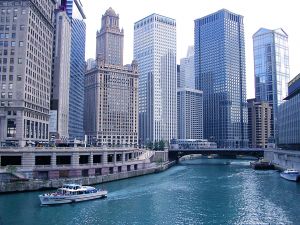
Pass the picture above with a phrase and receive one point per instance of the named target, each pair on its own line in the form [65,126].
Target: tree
[149,145]
[161,145]
[156,146]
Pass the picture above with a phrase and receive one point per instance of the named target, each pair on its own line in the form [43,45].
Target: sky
[270,14]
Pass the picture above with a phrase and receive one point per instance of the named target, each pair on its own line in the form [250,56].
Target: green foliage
[161,145]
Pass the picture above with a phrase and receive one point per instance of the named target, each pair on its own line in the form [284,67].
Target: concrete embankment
[34,185]
[283,159]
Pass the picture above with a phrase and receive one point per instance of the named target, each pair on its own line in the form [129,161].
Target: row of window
[11,43]
[11,61]
[10,78]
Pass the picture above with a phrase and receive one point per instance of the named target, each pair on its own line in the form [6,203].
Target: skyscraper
[271,68]
[190,113]
[189,100]
[110,39]
[155,52]
[25,60]
[289,117]
[77,67]
[187,70]
[111,92]
[220,74]
[259,123]
[59,104]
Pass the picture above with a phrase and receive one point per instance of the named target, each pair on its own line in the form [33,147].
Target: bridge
[176,154]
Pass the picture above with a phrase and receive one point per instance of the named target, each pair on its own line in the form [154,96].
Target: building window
[9,94]
[19,60]
[11,77]
[3,86]
[19,78]
[10,86]
[22,27]
[21,43]
[13,44]
[9,103]
[2,103]
[2,94]
[11,128]
[3,77]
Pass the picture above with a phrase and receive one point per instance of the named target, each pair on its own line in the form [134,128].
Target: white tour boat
[290,174]
[69,193]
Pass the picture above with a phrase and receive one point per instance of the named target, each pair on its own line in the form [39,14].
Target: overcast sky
[269,14]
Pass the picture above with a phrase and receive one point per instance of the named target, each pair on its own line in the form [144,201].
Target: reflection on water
[202,191]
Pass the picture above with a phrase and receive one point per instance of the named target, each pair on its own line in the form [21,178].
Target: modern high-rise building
[271,68]
[190,113]
[259,123]
[189,100]
[110,39]
[77,67]
[220,74]
[59,103]
[90,64]
[111,93]
[155,52]
[289,117]
[26,40]
[187,70]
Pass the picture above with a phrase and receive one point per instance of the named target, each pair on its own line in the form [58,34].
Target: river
[201,191]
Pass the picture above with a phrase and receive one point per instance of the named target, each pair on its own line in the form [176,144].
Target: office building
[59,104]
[26,40]
[90,64]
[187,70]
[155,52]
[190,113]
[259,123]
[75,12]
[110,39]
[111,92]
[271,68]
[189,100]
[289,117]
[220,74]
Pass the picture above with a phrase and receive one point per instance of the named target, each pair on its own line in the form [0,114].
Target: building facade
[59,104]
[189,101]
[190,113]
[187,70]
[155,52]
[271,68]
[289,117]
[111,105]
[220,74]
[259,123]
[111,90]
[110,39]
[90,64]
[77,67]
[26,39]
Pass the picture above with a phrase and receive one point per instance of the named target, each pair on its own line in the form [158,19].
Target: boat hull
[291,177]
[63,199]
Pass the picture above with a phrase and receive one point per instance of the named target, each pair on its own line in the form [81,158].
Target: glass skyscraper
[271,68]
[220,74]
[77,67]
[155,52]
